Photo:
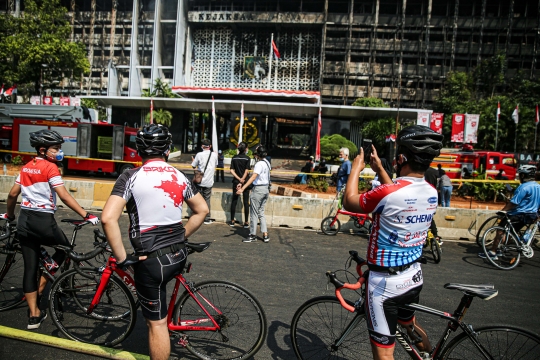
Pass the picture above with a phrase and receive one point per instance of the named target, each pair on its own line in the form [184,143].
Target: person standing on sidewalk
[259,195]
[344,169]
[240,166]
[206,161]
[445,186]
[220,166]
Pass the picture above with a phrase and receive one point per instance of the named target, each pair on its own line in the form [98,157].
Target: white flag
[241,124]
[515,115]
[214,128]
[498,111]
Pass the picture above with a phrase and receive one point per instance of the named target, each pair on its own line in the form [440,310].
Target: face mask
[341,159]
[58,157]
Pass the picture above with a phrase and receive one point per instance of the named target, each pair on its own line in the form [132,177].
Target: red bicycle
[331,224]
[213,319]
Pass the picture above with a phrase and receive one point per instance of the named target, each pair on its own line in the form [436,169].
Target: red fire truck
[89,146]
[462,164]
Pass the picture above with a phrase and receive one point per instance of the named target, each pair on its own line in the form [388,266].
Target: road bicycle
[331,327]
[212,319]
[512,244]
[331,224]
[434,246]
[12,264]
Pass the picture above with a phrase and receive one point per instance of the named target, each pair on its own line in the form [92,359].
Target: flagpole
[270,63]
[215,144]
[497,126]
[536,119]
[240,131]
[151,111]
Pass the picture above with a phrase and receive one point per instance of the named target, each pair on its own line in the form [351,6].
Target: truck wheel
[125,167]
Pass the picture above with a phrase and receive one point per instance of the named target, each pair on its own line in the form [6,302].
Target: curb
[70,345]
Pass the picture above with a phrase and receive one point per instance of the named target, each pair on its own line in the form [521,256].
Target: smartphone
[366,145]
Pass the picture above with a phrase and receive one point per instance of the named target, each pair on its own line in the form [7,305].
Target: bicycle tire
[490,222]
[325,226]
[318,323]
[11,274]
[508,250]
[243,321]
[71,318]
[436,251]
[501,342]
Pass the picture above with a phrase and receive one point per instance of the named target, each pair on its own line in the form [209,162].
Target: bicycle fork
[106,275]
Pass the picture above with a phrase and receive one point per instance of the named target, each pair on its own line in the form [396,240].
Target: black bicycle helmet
[45,138]
[261,151]
[153,140]
[529,171]
[420,141]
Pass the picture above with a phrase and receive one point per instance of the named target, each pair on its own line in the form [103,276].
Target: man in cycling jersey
[39,182]
[522,208]
[153,195]
[402,213]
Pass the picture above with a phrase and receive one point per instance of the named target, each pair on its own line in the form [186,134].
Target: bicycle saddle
[484,292]
[501,213]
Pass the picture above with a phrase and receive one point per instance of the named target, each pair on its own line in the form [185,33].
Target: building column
[134,88]
[156,72]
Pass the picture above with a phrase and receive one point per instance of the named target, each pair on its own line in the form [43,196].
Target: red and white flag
[215,144]
[498,111]
[318,148]
[11,91]
[515,115]
[276,51]
[536,117]
[240,139]
[151,111]
[2,90]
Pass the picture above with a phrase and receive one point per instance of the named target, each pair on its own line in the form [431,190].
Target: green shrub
[229,153]
[318,183]
[363,185]
[17,160]
[330,145]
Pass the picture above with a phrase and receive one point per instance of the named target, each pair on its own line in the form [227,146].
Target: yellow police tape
[70,345]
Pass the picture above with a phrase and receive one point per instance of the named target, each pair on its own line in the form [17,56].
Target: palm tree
[161,116]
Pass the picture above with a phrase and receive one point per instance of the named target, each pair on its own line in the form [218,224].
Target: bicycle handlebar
[7,234]
[339,285]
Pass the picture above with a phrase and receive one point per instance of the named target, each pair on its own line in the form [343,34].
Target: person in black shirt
[500,175]
[240,166]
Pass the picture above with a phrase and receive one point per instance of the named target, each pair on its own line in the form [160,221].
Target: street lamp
[41,83]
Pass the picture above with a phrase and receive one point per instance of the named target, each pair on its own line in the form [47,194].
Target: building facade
[397,50]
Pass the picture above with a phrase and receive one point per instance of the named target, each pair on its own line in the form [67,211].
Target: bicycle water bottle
[48,261]
[527,235]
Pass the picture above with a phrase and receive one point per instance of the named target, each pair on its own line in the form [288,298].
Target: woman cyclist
[39,182]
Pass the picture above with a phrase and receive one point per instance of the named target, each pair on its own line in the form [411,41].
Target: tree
[37,44]
[376,129]
[330,145]
[161,116]
[161,89]
[370,102]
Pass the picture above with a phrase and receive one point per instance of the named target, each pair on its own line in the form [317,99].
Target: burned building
[397,50]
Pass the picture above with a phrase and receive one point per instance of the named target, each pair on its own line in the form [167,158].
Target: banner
[471,128]
[47,100]
[436,123]
[35,100]
[422,119]
[64,101]
[75,101]
[458,124]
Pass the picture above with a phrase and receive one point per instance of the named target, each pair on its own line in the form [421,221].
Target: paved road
[290,270]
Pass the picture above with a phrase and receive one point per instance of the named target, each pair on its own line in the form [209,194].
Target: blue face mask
[59,156]
[341,159]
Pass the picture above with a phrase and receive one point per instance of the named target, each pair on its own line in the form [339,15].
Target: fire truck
[462,164]
[90,145]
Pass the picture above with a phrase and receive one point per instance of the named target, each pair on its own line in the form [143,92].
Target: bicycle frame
[361,217]
[455,320]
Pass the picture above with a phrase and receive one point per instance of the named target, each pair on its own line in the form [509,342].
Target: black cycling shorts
[519,220]
[151,278]
[34,229]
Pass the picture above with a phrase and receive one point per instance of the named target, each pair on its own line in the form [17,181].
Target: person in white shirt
[259,194]
[206,161]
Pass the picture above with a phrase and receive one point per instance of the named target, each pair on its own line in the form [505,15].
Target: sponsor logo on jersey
[407,284]
[371,311]
[432,200]
[159,168]
[410,201]
[31,171]
[393,237]
[417,277]
[381,340]
[414,219]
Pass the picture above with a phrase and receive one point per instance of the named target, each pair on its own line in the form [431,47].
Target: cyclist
[522,208]
[153,195]
[402,212]
[39,182]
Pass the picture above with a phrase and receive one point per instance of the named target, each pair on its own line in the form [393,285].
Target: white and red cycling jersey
[38,179]
[402,214]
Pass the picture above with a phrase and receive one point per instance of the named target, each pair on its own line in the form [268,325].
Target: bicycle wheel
[490,222]
[508,251]
[319,322]
[500,342]
[239,314]
[11,274]
[436,251]
[326,227]
[112,320]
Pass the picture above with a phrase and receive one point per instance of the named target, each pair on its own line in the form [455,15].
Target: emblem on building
[254,67]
